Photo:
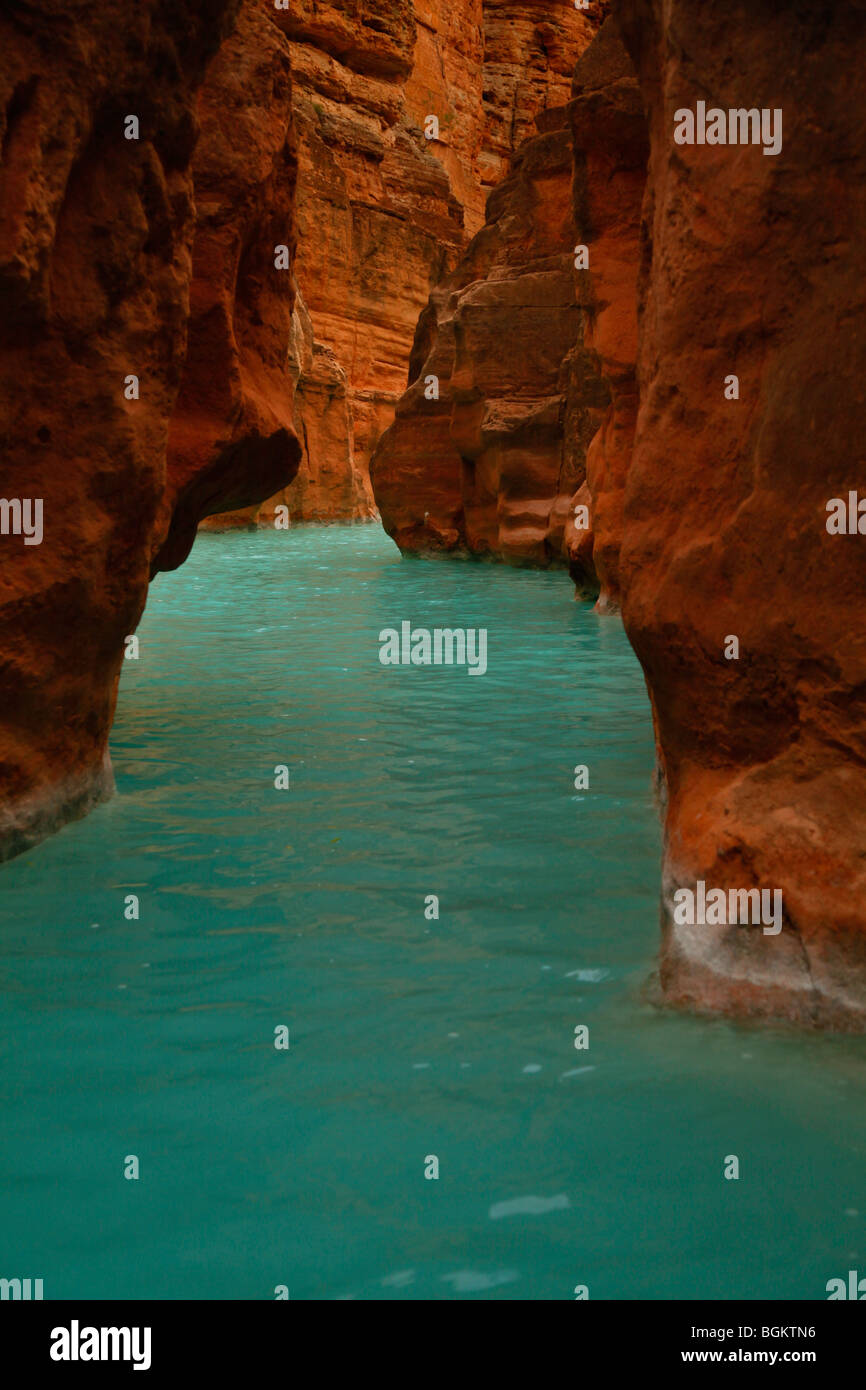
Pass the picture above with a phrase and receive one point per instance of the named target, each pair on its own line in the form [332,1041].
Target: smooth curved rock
[756,267]
[232,441]
[95,233]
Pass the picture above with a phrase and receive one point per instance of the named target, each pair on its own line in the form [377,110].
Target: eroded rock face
[610,141]
[530,48]
[474,458]
[757,270]
[520,340]
[95,233]
[378,220]
[384,213]
[328,484]
[108,276]
[232,440]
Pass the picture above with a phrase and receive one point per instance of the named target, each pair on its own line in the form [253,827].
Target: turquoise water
[408,1037]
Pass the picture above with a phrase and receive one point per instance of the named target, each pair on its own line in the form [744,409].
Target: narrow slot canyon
[429,585]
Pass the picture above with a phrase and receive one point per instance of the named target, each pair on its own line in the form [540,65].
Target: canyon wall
[378,220]
[706,502]
[383,212]
[152,338]
[157,364]
[530,49]
[526,353]
[232,439]
[475,458]
[611,148]
[97,221]
[754,267]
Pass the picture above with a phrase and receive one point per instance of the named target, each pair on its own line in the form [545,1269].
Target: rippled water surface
[408,1037]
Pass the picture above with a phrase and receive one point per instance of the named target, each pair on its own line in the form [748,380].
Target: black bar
[593,1338]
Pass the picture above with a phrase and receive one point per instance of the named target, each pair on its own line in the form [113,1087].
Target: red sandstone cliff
[96,253]
[232,439]
[610,142]
[154,258]
[525,349]
[383,213]
[756,267]
[95,232]
[474,459]
[151,344]
[530,48]
[377,221]
[708,512]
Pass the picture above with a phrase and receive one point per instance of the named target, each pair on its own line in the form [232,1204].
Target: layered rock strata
[474,459]
[377,222]
[383,212]
[525,351]
[530,49]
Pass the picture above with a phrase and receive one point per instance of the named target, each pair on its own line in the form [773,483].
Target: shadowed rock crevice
[232,441]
